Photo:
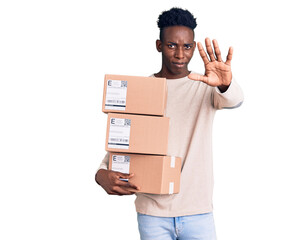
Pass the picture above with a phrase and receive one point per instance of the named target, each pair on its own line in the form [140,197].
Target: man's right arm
[110,180]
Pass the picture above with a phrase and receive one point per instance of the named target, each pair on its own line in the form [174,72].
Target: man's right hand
[111,183]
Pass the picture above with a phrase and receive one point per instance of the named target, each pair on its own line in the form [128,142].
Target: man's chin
[180,72]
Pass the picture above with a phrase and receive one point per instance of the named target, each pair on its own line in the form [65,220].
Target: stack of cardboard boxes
[137,132]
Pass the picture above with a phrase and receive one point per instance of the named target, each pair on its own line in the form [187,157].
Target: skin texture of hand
[111,183]
[217,72]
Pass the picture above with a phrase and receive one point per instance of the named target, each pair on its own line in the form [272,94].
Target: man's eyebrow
[186,44]
[173,43]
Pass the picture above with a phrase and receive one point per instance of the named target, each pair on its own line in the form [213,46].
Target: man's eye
[188,46]
[171,45]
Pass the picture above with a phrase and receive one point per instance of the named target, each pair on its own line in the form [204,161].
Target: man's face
[177,47]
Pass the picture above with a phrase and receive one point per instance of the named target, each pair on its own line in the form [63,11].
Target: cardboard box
[136,95]
[152,173]
[137,134]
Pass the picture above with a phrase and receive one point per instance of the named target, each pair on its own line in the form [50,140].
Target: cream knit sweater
[191,106]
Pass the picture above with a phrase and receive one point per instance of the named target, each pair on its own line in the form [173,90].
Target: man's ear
[194,45]
[159,45]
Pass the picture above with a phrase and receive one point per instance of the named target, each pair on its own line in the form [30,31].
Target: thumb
[197,77]
[125,175]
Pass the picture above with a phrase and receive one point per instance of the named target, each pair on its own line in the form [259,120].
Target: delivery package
[135,95]
[152,173]
[137,134]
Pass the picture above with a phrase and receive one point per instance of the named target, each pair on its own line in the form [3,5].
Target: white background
[53,57]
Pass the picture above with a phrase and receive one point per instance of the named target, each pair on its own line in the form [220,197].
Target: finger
[124,175]
[230,56]
[110,191]
[202,53]
[117,190]
[198,77]
[126,184]
[121,191]
[217,51]
[133,186]
[209,49]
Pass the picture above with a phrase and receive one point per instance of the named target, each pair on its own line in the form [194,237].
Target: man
[191,104]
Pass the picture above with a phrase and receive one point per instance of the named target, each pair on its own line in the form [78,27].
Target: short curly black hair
[175,17]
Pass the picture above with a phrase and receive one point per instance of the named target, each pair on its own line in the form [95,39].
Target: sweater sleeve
[232,98]
[104,163]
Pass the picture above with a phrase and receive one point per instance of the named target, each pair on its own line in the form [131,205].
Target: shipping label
[121,164]
[116,95]
[119,133]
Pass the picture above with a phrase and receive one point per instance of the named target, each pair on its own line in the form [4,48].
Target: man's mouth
[179,64]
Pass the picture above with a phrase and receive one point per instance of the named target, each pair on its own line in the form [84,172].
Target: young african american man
[191,105]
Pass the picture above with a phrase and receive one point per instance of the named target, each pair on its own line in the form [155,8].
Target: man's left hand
[217,72]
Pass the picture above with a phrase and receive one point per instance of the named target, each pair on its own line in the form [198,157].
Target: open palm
[217,72]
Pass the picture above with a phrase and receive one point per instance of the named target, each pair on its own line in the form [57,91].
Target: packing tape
[173,162]
[171,188]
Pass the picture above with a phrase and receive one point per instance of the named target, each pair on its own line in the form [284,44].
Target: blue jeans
[199,226]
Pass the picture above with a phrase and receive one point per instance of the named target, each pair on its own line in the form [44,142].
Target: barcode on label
[118,140]
[120,122]
[121,159]
[117,83]
[128,122]
[116,101]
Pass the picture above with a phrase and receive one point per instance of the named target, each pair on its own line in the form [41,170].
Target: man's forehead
[178,33]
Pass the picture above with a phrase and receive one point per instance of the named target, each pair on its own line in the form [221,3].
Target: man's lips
[179,64]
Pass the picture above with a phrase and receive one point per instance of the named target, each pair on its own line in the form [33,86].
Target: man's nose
[179,53]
